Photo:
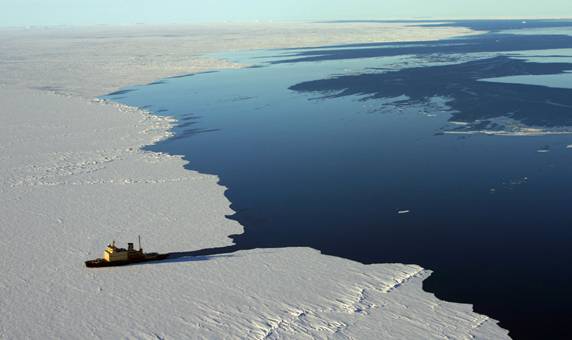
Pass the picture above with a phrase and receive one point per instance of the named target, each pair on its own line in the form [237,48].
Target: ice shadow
[179,258]
[197,255]
[202,253]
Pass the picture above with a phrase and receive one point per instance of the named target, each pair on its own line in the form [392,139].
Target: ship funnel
[141,249]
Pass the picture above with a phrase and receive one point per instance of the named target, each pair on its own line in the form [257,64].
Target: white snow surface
[73,177]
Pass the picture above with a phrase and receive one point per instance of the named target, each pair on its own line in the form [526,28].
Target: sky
[88,12]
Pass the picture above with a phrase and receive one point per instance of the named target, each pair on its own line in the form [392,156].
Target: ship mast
[140,249]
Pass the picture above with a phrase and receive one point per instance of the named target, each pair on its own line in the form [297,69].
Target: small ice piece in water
[402,212]
[569,146]
[544,149]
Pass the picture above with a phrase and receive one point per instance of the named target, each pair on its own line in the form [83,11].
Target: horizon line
[285,21]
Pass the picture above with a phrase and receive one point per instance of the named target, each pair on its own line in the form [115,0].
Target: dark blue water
[324,147]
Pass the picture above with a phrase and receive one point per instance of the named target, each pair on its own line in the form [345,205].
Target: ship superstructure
[115,256]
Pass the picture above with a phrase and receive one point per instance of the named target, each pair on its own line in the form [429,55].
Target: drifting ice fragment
[401,212]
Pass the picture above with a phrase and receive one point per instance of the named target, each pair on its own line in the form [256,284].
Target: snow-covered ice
[73,177]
